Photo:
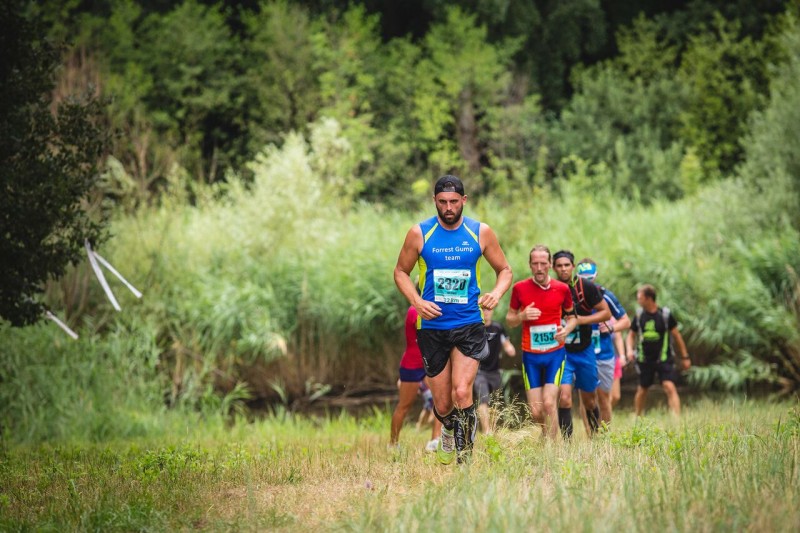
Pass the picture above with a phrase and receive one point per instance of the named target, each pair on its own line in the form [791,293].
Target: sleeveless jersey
[653,331]
[449,273]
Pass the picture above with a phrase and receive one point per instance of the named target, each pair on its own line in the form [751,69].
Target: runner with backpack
[580,370]
[652,337]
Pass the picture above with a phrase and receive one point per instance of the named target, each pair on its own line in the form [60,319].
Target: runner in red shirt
[538,303]
[412,379]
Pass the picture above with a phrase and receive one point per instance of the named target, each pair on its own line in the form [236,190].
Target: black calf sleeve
[470,421]
[466,425]
[565,421]
[449,420]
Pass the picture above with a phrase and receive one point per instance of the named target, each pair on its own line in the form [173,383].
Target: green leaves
[725,74]
[281,87]
[772,167]
[195,83]
[48,168]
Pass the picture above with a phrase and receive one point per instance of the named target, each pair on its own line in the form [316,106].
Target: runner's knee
[550,405]
[463,395]
[669,387]
[565,398]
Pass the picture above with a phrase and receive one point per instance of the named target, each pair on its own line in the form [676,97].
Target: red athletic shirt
[412,357]
[552,302]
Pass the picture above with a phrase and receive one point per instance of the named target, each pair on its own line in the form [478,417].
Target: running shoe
[432,445]
[446,448]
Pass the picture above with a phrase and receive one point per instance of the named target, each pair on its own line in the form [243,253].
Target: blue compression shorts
[538,369]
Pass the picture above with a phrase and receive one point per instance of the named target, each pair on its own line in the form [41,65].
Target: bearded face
[540,267]
[449,205]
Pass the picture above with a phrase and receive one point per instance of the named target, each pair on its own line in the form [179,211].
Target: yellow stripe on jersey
[478,264]
[423,268]
[471,233]
[430,232]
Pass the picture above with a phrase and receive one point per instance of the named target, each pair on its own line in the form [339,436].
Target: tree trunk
[467,132]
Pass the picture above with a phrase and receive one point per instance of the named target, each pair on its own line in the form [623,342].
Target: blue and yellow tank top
[449,273]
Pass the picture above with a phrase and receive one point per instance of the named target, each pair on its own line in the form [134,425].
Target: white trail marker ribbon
[60,324]
[113,270]
[94,258]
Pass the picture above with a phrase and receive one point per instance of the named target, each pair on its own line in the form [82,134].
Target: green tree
[669,111]
[626,114]
[396,162]
[771,169]
[460,77]
[194,62]
[552,35]
[347,58]
[281,84]
[48,167]
[726,77]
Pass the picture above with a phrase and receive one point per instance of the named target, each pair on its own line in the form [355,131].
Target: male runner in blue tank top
[452,336]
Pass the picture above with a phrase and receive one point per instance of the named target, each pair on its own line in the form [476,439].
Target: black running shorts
[436,345]
[648,369]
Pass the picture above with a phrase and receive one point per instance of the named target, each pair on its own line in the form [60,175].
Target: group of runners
[570,328]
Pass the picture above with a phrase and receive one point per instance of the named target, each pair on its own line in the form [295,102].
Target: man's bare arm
[497,259]
[601,314]
[630,341]
[683,353]
[409,254]
[569,327]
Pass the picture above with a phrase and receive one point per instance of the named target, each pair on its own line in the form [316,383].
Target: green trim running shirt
[655,342]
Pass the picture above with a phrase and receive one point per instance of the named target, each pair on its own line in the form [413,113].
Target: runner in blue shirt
[451,334]
[602,339]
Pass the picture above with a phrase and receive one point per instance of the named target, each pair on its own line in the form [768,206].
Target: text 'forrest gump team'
[570,326]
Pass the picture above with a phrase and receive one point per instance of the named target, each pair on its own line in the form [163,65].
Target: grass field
[724,466]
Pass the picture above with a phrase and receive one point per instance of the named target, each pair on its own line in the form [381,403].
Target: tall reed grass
[283,287]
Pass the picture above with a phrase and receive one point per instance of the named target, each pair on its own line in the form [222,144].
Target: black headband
[564,253]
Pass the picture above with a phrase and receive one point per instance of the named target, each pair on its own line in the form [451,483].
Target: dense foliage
[499,92]
[48,168]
